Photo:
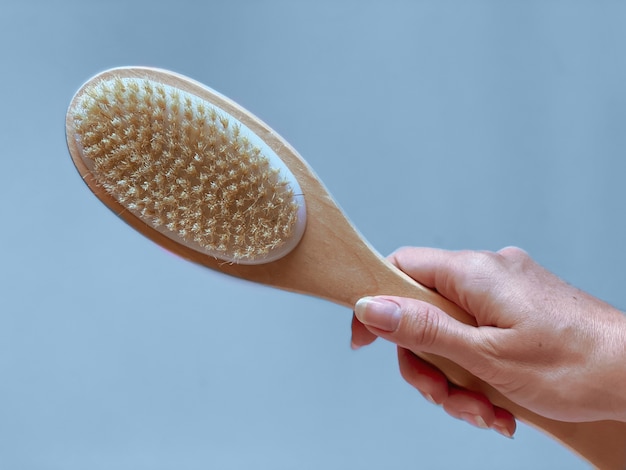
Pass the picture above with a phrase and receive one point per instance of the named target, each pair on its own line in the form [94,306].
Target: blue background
[456,124]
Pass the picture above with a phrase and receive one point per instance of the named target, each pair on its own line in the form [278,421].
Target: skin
[544,344]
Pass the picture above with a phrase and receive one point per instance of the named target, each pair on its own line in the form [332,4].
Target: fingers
[467,278]
[427,379]
[419,326]
[471,407]
[432,267]
[398,315]
[476,410]
[361,336]
[422,264]
[504,422]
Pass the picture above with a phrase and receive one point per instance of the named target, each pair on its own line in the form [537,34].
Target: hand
[542,343]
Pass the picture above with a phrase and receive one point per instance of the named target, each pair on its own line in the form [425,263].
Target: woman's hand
[542,343]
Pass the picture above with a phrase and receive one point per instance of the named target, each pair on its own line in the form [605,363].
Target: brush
[205,179]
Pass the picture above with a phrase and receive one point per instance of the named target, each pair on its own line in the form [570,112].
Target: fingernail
[502,430]
[354,346]
[430,398]
[379,313]
[474,420]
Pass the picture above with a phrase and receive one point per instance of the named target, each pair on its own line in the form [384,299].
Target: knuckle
[513,253]
[472,262]
[398,254]
[425,327]
[484,269]
[474,267]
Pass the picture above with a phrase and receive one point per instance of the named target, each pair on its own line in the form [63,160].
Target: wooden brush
[207,180]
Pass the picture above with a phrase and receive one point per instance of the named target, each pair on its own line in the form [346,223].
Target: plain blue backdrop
[456,124]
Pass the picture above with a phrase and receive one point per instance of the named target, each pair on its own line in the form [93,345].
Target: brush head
[186,168]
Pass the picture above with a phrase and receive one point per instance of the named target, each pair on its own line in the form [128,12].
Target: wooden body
[334,262]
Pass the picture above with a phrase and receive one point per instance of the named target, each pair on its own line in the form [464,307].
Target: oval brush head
[188,168]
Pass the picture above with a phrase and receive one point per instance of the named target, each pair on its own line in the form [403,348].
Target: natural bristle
[184,167]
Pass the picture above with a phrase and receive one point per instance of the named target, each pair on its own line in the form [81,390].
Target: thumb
[422,327]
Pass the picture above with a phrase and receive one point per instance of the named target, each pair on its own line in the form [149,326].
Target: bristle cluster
[184,167]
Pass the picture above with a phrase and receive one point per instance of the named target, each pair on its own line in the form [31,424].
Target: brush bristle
[185,168]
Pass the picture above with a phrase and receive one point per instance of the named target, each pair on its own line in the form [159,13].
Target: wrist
[613,380]
[621,368]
